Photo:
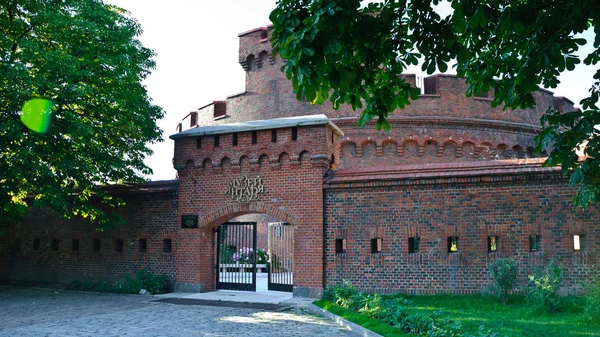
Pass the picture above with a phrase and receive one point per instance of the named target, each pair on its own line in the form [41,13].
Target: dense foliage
[542,289]
[354,55]
[504,272]
[83,56]
[391,310]
[154,284]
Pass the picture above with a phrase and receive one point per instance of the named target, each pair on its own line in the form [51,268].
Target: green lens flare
[37,114]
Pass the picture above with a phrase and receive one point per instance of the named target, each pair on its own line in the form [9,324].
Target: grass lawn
[515,320]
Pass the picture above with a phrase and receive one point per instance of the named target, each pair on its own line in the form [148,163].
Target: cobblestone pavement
[48,312]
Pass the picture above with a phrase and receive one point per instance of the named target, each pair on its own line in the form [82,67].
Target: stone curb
[357,329]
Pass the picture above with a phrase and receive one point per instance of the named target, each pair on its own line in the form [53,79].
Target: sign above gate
[244,189]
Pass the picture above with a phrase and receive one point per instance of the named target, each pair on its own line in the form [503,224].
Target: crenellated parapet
[255,49]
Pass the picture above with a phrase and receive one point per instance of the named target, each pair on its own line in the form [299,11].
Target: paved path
[47,312]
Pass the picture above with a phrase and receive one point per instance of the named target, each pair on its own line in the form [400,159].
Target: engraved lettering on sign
[244,189]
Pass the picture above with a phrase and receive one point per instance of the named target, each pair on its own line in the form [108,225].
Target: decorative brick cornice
[443,173]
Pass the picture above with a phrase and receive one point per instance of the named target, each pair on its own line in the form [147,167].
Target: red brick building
[420,209]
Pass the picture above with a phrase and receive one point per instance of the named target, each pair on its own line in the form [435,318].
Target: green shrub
[542,289]
[154,284]
[391,310]
[592,297]
[504,272]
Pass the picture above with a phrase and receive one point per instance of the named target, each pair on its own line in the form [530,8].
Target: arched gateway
[274,167]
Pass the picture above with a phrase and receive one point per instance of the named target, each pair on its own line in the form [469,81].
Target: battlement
[255,49]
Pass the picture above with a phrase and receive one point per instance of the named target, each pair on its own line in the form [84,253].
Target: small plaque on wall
[189,221]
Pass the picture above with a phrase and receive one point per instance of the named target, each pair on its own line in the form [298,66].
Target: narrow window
[166,245]
[492,244]
[234,139]
[142,245]
[119,245]
[193,119]
[534,243]
[294,133]
[217,141]
[254,137]
[36,244]
[54,244]
[75,245]
[376,245]
[96,245]
[340,246]
[198,142]
[578,242]
[273,136]
[452,244]
[413,244]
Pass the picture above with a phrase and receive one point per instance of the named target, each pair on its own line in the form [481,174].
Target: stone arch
[233,210]
[501,151]
[369,149]
[411,148]
[486,151]
[189,164]
[207,164]
[225,163]
[262,57]
[348,149]
[517,152]
[284,159]
[304,158]
[450,149]
[263,160]
[390,148]
[430,149]
[469,150]
[250,62]
[530,152]
[244,162]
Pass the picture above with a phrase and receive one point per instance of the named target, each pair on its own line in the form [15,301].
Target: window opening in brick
[96,245]
[534,243]
[340,246]
[198,142]
[452,244]
[217,141]
[54,244]
[254,137]
[193,119]
[119,245]
[75,245]
[234,139]
[142,245]
[273,136]
[294,133]
[17,245]
[376,245]
[166,245]
[578,242]
[492,244]
[36,244]
[413,244]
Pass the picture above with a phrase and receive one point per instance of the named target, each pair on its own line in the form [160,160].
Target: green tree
[82,55]
[353,55]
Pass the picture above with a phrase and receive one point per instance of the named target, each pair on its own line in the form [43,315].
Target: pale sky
[196,42]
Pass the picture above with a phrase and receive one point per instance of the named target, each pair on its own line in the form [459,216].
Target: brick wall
[150,216]
[510,206]
[292,175]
